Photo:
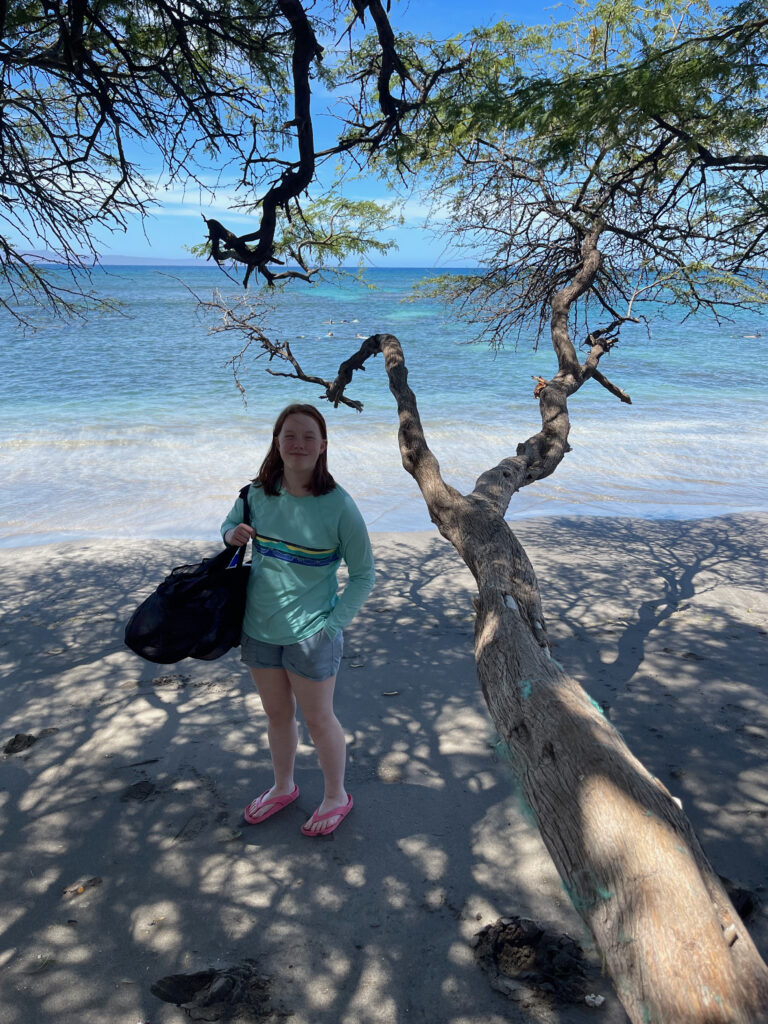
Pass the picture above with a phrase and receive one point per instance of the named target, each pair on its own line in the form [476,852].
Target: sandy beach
[123,856]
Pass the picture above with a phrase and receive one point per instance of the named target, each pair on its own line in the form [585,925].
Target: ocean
[129,424]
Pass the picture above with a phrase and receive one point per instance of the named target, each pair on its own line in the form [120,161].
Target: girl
[304,525]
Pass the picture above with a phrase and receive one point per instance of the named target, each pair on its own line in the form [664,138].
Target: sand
[123,858]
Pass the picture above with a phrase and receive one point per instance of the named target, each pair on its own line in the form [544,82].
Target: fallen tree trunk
[672,942]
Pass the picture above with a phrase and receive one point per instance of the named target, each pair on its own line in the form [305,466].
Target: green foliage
[703,74]
[333,230]
[640,127]
[85,86]
[326,234]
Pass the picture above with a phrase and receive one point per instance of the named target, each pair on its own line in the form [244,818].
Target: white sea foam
[133,428]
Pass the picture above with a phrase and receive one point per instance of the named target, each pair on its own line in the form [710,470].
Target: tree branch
[614,390]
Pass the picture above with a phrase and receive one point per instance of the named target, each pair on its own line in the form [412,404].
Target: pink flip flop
[277,802]
[340,812]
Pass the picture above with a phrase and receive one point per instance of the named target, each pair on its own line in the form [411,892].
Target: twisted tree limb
[674,945]
[363,136]
[628,856]
[295,179]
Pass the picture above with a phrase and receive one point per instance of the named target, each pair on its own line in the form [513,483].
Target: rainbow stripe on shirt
[271,547]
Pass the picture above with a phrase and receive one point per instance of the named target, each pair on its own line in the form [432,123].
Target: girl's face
[300,442]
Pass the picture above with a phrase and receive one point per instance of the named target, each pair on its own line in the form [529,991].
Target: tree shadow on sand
[143,782]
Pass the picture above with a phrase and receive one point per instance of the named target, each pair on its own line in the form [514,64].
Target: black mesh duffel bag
[196,612]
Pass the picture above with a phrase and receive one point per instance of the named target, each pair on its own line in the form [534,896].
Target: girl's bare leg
[316,702]
[279,705]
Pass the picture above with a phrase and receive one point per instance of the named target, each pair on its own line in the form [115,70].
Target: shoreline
[515,522]
[139,772]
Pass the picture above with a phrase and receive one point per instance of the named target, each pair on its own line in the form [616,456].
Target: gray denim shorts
[318,657]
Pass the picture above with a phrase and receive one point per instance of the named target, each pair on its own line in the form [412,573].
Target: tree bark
[672,942]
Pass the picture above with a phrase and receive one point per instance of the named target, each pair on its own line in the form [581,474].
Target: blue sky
[177,222]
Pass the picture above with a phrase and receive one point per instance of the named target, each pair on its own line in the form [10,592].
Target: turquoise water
[130,425]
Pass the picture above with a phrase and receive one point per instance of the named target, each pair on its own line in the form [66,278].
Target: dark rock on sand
[528,964]
[228,993]
[21,741]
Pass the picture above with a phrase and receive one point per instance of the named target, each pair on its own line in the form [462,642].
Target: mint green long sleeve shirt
[297,550]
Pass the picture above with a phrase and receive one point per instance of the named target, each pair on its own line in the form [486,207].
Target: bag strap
[243,493]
